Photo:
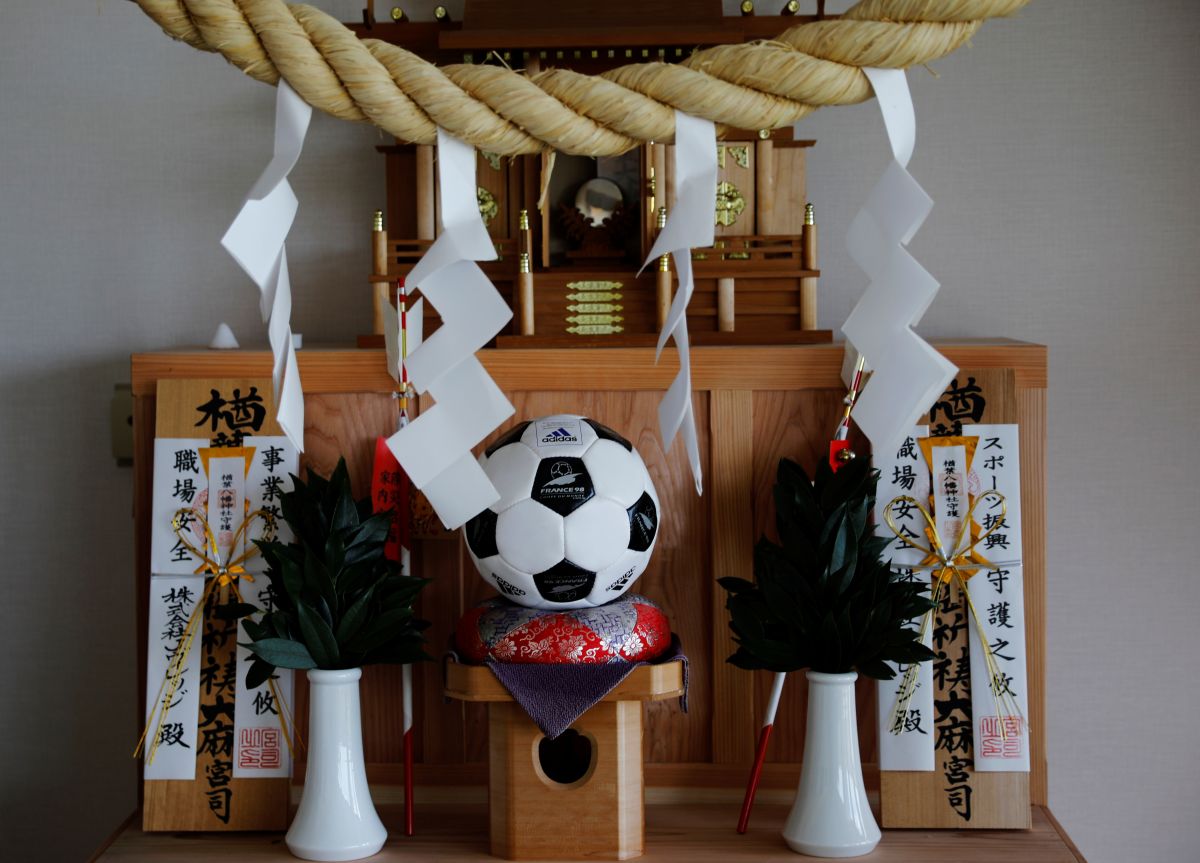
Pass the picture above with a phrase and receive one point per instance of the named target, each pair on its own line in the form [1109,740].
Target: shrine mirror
[598,199]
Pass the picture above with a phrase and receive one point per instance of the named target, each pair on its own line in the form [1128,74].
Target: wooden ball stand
[580,795]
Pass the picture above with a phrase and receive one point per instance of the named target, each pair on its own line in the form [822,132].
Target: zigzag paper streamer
[435,448]
[689,226]
[256,242]
[909,373]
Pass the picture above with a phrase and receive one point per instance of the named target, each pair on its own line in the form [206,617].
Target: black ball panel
[481,534]
[564,582]
[562,484]
[605,433]
[513,434]
[643,523]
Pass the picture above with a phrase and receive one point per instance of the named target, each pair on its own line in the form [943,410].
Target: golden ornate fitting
[441,13]
[378,220]
[791,8]
[808,215]
[397,13]
[664,261]
[523,264]
[487,204]
[730,204]
[747,7]
[592,286]
[523,220]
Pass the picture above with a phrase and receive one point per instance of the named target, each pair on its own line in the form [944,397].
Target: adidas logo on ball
[572,529]
[552,433]
[559,435]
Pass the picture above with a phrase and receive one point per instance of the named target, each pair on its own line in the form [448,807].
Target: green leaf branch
[822,597]
[338,601]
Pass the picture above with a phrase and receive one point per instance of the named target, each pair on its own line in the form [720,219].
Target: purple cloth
[555,696]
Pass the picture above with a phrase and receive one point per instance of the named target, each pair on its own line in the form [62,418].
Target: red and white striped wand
[406,563]
[390,491]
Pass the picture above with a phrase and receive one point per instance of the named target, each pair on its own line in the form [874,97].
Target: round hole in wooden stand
[567,759]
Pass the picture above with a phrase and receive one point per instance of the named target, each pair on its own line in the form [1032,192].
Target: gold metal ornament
[595,329]
[595,296]
[487,204]
[594,319]
[730,203]
[593,285]
[740,153]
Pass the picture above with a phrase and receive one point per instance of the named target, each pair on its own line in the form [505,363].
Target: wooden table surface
[695,833]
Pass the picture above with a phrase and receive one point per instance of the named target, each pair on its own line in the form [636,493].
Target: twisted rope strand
[757,85]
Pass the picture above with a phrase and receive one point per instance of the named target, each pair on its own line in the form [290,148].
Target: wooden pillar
[725,311]
[808,284]
[764,182]
[662,280]
[426,194]
[524,295]
[662,179]
[380,278]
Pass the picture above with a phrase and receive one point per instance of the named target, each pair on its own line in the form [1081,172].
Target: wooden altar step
[675,833]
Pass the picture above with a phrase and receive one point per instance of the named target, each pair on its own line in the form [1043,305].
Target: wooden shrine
[753,405]
[572,277]
[571,232]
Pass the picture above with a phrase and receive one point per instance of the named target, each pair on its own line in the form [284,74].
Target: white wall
[1059,149]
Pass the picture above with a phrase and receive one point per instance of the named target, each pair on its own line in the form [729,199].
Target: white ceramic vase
[831,817]
[336,819]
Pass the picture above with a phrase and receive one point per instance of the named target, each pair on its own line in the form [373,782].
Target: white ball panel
[596,533]
[511,469]
[616,473]
[616,579]
[530,536]
[559,435]
[510,582]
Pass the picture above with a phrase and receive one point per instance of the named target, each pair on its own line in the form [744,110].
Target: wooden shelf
[644,683]
[695,833]
[779,367]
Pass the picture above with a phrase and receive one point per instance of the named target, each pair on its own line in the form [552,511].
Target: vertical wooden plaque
[953,795]
[214,799]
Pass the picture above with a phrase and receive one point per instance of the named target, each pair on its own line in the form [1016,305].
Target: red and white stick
[406,563]
[836,446]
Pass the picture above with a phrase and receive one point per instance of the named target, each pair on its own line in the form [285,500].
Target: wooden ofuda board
[953,795]
[214,799]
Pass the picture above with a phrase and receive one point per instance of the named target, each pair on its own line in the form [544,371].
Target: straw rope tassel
[756,85]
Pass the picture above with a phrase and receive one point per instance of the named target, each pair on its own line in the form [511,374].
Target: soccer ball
[577,517]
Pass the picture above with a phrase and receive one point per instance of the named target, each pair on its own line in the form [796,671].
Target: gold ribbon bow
[956,565]
[225,573]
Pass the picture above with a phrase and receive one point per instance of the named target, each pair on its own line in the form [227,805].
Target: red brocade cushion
[629,629]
